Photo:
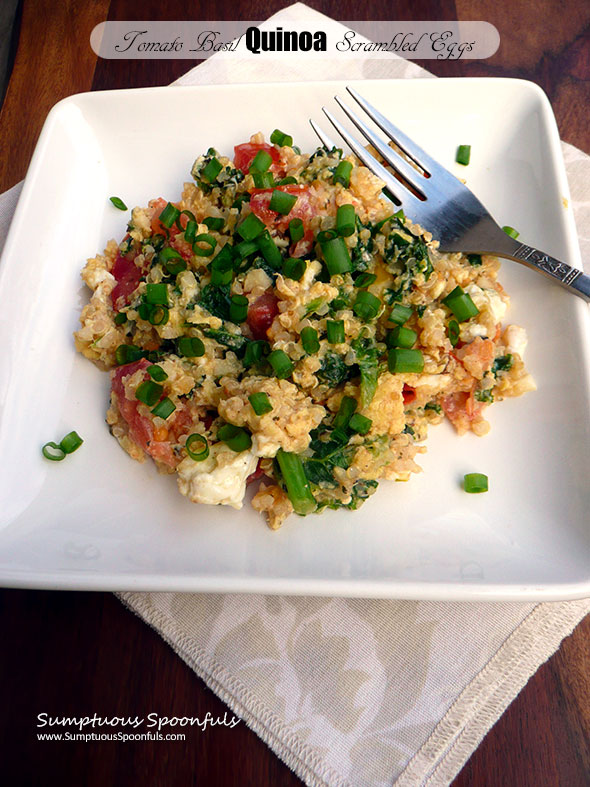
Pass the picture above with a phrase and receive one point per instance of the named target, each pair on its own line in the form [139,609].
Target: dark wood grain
[79,653]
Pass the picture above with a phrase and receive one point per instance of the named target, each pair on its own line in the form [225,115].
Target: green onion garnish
[222,270]
[281,139]
[337,256]
[255,351]
[335,330]
[197,447]
[289,181]
[282,202]
[118,203]
[211,170]
[263,180]
[53,451]
[235,437]
[269,249]
[365,280]
[260,403]
[149,392]
[360,423]
[325,235]
[165,408]
[169,215]
[243,249]
[367,306]
[346,410]
[120,318]
[401,360]
[214,223]
[463,154]
[172,260]
[261,162]
[190,347]
[298,489]
[190,231]
[159,315]
[453,332]
[157,373]
[127,353]
[281,364]
[400,314]
[511,231]
[345,220]
[71,442]
[461,304]
[208,248]
[309,340]
[401,337]
[296,230]
[474,483]
[156,294]
[294,268]
[342,173]
[474,259]
[251,227]
[238,308]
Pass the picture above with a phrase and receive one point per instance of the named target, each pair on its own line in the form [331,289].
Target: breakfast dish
[281,324]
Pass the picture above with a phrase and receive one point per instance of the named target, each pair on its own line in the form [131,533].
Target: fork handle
[571,278]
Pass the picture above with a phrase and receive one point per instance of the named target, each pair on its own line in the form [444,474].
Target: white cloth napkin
[359,692]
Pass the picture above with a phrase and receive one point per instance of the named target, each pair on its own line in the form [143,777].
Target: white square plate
[100,520]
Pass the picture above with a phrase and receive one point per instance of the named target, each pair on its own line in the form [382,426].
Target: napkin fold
[353,691]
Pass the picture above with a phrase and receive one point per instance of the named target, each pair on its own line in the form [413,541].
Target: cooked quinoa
[304,341]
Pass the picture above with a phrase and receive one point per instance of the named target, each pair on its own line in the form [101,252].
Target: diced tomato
[258,473]
[302,209]
[261,314]
[461,407]
[128,276]
[244,154]
[304,245]
[174,237]
[409,394]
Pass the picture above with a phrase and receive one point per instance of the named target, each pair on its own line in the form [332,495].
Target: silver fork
[445,206]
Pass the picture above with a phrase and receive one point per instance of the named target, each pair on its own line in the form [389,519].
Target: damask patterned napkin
[347,691]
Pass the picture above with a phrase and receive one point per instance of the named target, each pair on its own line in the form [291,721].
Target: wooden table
[74,653]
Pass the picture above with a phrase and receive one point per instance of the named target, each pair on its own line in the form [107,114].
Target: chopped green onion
[401,360]
[281,364]
[337,256]
[345,220]
[365,280]
[346,410]
[335,329]
[342,173]
[144,310]
[263,180]
[165,408]
[156,294]
[401,337]
[367,306]
[190,216]
[511,231]
[120,318]
[269,249]
[261,162]
[281,139]
[53,451]
[157,373]
[260,403]
[251,227]
[289,181]
[244,249]
[172,260]
[298,489]
[296,230]
[474,259]
[236,438]
[222,269]
[461,304]
[190,347]
[474,483]
[197,447]
[71,442]
[282,202]
[238,308]
[254,352]
[360,423]
[127,353]
[214,223]
[326,235]
[400,314]
[159,315]
[209,247]
[453,332]
[294,268]
[169,215]
[149,392]
[211,170]
[118,203]
[309,340]
[463,154]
